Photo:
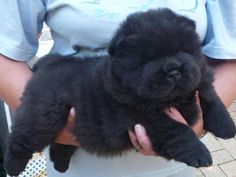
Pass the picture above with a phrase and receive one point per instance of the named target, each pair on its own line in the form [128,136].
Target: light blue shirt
[88,23]
[220,41]
[91,23]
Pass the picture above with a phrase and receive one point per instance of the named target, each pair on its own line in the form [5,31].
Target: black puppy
[154,62]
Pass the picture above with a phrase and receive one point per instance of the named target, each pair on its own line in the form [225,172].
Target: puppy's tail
[48,61]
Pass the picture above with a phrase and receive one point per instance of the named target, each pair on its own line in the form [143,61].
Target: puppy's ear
[124,44]
[188,24]
[115,42]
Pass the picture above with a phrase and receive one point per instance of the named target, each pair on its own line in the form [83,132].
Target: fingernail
[72,112]
[138,129]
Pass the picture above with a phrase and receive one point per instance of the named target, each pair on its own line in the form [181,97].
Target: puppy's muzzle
[173,75]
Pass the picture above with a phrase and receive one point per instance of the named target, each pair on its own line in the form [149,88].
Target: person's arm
[19,42]
[225,80]
[13,78]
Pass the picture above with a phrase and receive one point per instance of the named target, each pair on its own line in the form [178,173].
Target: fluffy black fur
[154,62]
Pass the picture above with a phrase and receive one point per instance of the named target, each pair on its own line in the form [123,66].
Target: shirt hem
[220,53]
[17,55]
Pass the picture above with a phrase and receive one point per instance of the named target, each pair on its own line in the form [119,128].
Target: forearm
[13,78]
[225,81]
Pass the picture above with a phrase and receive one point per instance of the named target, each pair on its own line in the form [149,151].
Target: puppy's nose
[173,75]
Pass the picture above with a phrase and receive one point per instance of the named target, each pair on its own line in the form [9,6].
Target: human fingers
[174,114]
[198,127]
[70,119]
[141,141]
[65,136]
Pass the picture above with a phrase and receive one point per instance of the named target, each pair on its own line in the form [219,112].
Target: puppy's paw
[225,130]
[60,155]
[194,154]
[198,158]
[218,121]
[225,133]
[14,166]
[61,166]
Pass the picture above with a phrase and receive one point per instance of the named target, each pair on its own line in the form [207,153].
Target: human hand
[65,136]
[141,141]
[198,126]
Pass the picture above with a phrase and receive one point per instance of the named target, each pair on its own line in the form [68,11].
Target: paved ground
[223,151]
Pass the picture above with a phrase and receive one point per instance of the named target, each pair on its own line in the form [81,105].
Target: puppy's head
[156,54]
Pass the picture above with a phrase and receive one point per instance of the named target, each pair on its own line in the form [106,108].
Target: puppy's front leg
[215,115]
[174,140]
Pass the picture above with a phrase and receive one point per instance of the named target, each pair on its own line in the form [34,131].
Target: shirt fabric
[88,23]
[91,24]
[220,41]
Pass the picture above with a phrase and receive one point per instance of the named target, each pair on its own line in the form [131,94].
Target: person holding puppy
[90,25]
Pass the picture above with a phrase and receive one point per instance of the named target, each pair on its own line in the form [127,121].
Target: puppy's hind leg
[61,154]
[36,124]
